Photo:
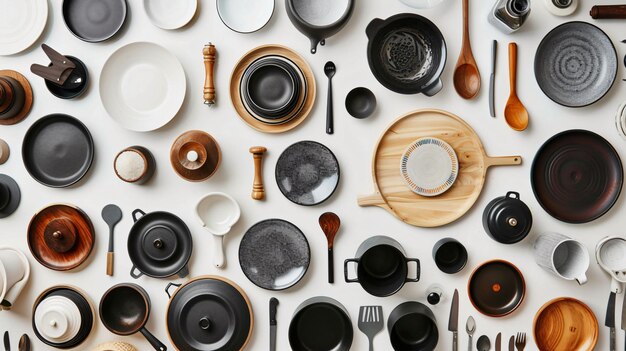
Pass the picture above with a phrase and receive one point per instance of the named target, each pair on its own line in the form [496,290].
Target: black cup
[450,255]
[382,266]
[412,327]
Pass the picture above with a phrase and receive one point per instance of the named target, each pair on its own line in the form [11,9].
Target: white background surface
[352,142]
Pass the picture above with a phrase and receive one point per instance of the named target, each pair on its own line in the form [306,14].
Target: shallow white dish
[422,4]
[245,16]
[142,86]
[169,14]
[429,166]
[21,24]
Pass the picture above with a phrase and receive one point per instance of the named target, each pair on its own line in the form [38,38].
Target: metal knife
[609,321]
[492,79]
[273,307]
[512,343]
[7,342]
[499,342]
[453,322]
[624,318]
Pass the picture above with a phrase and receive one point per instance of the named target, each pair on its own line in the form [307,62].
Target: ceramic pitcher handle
[218,251]
[582,279]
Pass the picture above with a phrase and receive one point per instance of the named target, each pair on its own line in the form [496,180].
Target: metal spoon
[470,327]
[483,343]
[24,343]
[330,71]
[111,215]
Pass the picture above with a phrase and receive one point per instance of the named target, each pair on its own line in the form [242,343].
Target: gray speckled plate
[274,254]
[575,64]
[307,173]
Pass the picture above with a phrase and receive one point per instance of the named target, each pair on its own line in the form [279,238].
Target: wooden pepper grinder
[209,52]
[258,191]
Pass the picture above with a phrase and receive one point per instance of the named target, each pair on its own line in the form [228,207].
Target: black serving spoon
[111,215]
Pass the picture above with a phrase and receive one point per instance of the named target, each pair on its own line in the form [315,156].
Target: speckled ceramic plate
[575,64]
[429,166]
[274,254]
[307,173]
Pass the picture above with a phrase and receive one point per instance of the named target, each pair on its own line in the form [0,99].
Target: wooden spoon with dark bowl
[330,226]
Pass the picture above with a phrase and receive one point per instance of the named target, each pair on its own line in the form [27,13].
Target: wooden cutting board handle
[371,200]
[258,189]
[503,161]
[608,11]
[209,52]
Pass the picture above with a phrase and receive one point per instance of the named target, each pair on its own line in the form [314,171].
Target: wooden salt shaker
[258,190]
[209,52]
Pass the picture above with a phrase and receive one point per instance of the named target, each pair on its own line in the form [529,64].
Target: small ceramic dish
[360,102]
[76,83]
[620,120]
[496,288]
[429,166]
[134,164]
[168,14]
[245,16]
[94,20]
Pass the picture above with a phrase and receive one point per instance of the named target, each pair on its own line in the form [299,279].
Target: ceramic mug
[382,267]
[563,256]
[450,255]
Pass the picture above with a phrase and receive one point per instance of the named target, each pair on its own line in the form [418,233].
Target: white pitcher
[14,273]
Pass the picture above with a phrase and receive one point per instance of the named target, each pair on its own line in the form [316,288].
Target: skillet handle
[434,88]
[503,161]
[345,270]
[153,340]
[167,288]
[135,273]
[136,212]
[314,43]
[417,270]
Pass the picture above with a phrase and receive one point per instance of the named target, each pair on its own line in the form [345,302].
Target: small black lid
[507,219]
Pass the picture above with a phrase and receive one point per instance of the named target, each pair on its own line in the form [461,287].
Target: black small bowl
[360,103]
[450,255]
[263,101]
[69,90]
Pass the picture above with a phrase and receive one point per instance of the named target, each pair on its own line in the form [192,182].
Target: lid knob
[205,323]
[158,243]
[60,235]
[192,156]
[512,221]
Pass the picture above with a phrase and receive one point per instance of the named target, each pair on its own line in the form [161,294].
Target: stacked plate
[273,89]
[620,120]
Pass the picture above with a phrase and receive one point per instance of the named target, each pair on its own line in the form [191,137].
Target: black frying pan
[58,150]
[320,324]
[124,310]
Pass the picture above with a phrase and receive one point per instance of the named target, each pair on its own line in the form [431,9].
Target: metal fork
[520,341]
[371,322]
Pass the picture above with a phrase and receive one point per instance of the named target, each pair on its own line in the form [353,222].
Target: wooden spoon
[466,74]
[330,226]
[515,113]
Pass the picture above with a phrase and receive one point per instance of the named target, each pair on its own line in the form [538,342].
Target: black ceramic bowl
[360,102]
[412,327]
[271,88]
[76,83]
[450,255]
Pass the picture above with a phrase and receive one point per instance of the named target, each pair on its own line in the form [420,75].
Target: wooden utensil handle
[209,52]
[503,161]
[110,264]
[371,200]
[608,11]
[513,66]
[258,189]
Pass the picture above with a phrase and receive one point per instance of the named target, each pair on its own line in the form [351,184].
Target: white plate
[245,16]
[170,14]
[142,86]
[429,166]
[21,24]
[422,4]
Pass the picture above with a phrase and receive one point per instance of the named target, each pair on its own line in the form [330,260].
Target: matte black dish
[496,288]
[507,219]
[10,195]
[319,19]
[76,83]
[406,53]
[577,176]
[576,64]
[94,20]
[307,173]
[272,87]
[159,245]
[274,254]
[209,313]
[450,255]
[321,324]
[360,102]
[58,150]
[86,314]
[412,327]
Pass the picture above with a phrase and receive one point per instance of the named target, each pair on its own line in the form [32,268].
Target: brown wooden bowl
[28,98]
[206,149]
[565,324]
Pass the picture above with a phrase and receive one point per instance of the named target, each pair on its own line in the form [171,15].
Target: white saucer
[245,16]
[21,24]
[429,166]
[170,14]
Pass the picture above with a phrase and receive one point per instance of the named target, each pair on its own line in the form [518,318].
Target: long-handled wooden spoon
[330,226]
[466,74]
[515,113]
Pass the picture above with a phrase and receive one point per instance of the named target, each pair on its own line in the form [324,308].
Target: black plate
[76,83]
[274,254]
[94,20]
[577,176]
[307,173]
[58,150]
[209,314]
[360,102]
[320,324]
[496,288]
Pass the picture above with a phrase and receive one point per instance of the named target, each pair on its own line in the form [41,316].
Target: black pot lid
[94,20]
[160,244]
[507,218]
[496,288]
[321,324]
[307,173]
[209,314]
[10,196]
[58,150]
[274,254]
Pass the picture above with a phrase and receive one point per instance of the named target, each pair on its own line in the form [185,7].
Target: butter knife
[453,322]
[499,342]
[609,321]
[273,307]
[492,79]
[512,343]
[7,342]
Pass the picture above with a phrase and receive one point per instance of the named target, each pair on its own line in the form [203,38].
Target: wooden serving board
[393,195]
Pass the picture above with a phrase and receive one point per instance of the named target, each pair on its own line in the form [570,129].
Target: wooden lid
[195,155]
[61,237]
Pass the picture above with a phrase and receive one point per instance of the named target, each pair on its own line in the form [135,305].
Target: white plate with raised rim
[429,166]
[170,14]
[142,86]
[21,24]
[245,16]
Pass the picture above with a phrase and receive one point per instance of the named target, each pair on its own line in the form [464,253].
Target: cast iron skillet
[577,176]
[320,324]
[406,53]
[94,20]
[496,288]
[159,245]
[58,150]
